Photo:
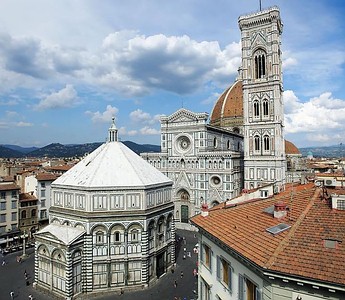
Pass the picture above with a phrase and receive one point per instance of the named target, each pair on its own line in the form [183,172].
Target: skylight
[278,228]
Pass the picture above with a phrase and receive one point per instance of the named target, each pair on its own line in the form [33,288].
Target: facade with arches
[111,225]
[203,161]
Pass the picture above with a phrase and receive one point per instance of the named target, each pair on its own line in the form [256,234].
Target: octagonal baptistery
[111,225]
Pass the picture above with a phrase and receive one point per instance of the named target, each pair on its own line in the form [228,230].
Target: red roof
[298,251]
[8,187]
[46,176]
[23,197]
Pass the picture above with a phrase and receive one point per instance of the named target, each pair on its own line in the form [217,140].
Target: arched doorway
[184,198]
[184,213]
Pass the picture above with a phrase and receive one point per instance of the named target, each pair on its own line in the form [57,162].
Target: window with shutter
[247,289]
[240,287]
[224,272]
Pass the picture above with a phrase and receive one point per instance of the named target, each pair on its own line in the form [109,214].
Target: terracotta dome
[290,148]
[228,110]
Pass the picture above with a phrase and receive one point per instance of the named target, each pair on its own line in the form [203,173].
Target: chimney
[204,210]
[279,210]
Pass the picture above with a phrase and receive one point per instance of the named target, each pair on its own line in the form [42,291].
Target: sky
[68,66]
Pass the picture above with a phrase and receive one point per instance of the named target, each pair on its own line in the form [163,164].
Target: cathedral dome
[290,148]
[228,110]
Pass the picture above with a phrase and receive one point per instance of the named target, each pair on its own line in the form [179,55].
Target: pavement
[12,277]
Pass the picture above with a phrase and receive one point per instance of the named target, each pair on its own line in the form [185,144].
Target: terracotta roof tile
[297,251]
[46,176]
[26,197]
[229,104]
[290,148]
[8,187]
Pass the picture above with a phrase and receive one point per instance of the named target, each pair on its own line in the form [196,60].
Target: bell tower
[261,72]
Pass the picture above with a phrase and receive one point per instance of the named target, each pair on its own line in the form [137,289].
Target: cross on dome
[113,136]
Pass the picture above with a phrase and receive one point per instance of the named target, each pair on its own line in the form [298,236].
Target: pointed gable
[185,115]
[64,234]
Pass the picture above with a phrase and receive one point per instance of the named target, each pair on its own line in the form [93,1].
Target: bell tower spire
[113,136]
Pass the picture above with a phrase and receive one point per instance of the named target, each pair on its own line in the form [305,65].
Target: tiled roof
[60,168]
[8,187]
[46,176]
[229,104]
[26,197]
[290,148]
[298,251]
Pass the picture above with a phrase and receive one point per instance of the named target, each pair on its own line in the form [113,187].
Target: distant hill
[329,151]
[8,153]
[21,149]
[59,150]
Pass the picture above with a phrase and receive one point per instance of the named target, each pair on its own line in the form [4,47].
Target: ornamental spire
[113,137]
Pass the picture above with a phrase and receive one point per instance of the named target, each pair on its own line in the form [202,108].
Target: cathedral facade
[203,161]
[111,225]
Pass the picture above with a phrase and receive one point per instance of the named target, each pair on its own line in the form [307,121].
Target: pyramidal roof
[112,165]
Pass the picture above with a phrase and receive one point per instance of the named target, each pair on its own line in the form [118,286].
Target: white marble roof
[112,165]
[65,234]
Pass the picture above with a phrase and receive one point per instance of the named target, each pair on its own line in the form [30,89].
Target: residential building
[288,246]
[111,225]
[44,181]
[9,192]
[28,221]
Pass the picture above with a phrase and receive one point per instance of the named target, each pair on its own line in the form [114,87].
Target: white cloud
[66,97]
[132,132]
[323,115]
[133,64]
[4,125]
[24,124]
[140,116]
[11,114]
[211,99]
[149,131]
[289,62]
[104,117]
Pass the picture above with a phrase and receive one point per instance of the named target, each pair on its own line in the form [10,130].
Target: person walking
[12,295]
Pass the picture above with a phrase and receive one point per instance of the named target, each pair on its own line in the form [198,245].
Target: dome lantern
[113,136]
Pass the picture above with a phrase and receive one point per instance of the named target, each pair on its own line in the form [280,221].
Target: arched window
[256,107]
[33,213]
[117,236]
[266,143]
[99,237]
[135,235]
[260,64]
[265,108]
[215,142]
[23,214]
[256,143]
